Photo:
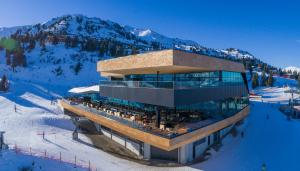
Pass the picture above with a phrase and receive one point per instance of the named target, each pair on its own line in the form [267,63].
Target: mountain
[5,32]
[292,69]
[95,28]
[67,48]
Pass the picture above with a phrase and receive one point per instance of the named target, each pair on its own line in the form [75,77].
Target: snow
[36,115]
[281,81]
[238,53]
[84,90]
[43,63]
[144,32]
[292,68]
[273,141]
[96,28]
[9,161]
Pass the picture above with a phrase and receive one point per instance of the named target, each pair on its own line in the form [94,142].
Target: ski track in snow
[273,141]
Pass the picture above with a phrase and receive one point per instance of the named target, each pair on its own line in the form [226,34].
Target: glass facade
[180,80]
[214,109]
[193,116]
[91,97]
[217,108]
[199,76]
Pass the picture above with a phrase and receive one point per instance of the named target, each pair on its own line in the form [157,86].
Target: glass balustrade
[169,84]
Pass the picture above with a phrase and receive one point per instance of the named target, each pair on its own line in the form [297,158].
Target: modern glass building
[172,104]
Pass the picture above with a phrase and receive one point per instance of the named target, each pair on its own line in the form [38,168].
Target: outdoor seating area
[170,125]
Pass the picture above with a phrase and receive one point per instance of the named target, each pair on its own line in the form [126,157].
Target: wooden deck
[155,140]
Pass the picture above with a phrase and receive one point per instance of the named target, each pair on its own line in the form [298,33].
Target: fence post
[60,156]
[30,150]
[75,161]
[89,165]
[45,153]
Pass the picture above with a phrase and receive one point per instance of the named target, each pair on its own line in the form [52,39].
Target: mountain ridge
[68,46]
[292,69]
[94,27]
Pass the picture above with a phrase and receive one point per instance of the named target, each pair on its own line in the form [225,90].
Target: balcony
[129,118]
[126,122]
[170,84]
[137,119]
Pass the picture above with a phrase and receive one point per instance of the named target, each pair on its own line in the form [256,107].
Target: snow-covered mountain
[238,53]
[85,27]
[7,31]
[292,69]
[68,47]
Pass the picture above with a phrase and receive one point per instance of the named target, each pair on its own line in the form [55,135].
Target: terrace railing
[121,120]
[141,127]
[169,84]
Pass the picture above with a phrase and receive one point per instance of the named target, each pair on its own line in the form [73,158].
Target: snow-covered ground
[11,161]
[273,141]
[36,115]
[54,66]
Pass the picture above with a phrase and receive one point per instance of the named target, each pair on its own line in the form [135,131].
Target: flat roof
[85,90]
[165,61]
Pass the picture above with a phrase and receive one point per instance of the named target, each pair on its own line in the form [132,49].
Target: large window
[232,77]
[199,76]
[216,108]
[211,109]
[180,80]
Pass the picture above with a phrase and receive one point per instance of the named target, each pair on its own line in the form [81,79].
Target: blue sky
[268,29]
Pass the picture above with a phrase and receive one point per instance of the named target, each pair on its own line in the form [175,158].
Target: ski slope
[10,161]
[272,141]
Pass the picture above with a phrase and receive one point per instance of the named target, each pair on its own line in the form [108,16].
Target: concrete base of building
[183,155]
[132,145]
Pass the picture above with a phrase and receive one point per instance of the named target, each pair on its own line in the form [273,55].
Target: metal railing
[121,120]
[169,84]
[141,127]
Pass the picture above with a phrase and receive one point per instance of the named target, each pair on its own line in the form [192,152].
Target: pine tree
[102,49]
[295,74]
[55,40]
[74,42]
[113,50]
[280,72]
[134,50]
[270,80]
[298,80]
[8,57]
[68,42]
[31,44]
[19,59]
[4,86]
[255,82]
[77,68]
[43,44]
[263,79]
[90,45]
[251,70]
